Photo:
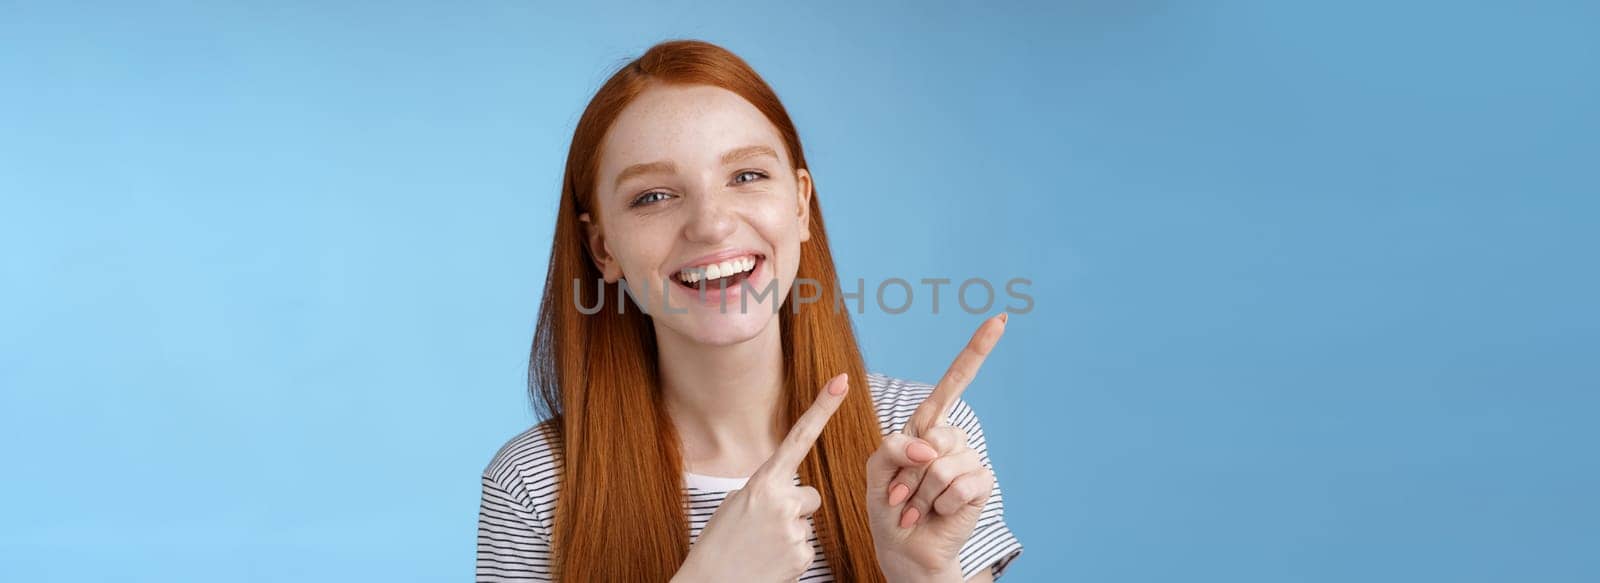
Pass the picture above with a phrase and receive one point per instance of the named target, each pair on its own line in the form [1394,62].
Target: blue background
[1314,285]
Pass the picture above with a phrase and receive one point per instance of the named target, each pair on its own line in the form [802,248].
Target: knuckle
[980,347]
[803,555]
[796,439]
[951,438]
[973,460]
[959,375]
[965,490]
[883,456]
[887,449]
[922,502]
[920,417]
[758,495]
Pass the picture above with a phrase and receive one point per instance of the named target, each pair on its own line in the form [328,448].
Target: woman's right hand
[761,532]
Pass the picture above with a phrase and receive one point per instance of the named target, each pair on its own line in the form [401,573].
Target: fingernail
[909,517]
[920,452]
[1004,316]
[898,494]
[839,387]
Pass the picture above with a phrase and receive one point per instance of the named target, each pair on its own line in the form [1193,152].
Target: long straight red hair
[620,515]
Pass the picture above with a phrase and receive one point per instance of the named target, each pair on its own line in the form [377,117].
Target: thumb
[897,451]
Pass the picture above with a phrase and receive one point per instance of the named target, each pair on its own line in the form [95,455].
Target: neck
[725,401]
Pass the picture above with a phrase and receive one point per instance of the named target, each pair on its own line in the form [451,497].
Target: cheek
[779,229]
[776,222]
[640,248]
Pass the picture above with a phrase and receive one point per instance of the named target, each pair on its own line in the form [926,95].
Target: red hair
[596,375]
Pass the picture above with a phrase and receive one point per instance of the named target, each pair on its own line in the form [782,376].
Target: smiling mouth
[723,275]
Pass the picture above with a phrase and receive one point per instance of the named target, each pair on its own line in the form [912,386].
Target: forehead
[689,125]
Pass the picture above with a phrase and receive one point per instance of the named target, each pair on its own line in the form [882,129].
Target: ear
[803,182]
[597,249]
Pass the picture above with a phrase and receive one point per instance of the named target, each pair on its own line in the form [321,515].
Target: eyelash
[759,174]
[641,200]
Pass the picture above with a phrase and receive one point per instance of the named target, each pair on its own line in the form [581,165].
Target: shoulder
[895,399]
[528,466]
[992,545]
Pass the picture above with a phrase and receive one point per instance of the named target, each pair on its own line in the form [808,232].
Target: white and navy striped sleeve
[513,537]
[992,545]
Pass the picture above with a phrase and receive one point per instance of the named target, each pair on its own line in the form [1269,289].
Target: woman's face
[696,195]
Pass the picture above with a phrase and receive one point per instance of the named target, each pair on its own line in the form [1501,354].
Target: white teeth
[718,270]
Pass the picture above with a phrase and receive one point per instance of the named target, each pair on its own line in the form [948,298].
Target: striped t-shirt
[520,487]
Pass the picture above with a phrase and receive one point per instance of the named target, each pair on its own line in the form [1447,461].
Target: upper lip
[717,257]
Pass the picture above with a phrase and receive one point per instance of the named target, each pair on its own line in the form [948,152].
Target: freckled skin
[705,206]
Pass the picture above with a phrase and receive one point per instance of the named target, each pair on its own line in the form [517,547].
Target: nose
[709,221]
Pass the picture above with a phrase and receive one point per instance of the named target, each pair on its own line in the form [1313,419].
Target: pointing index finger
[786,460]
[936,407]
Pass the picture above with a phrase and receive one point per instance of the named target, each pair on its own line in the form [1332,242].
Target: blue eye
[651,197]
[758,175]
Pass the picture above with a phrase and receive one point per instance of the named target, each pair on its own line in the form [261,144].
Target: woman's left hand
[925,485]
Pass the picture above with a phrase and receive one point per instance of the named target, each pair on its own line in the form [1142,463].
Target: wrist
[908,572]
[688,572]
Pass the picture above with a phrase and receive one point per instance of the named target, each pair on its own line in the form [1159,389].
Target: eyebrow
[663,166]
[746,152]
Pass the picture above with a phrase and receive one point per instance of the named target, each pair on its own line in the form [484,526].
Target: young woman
[704,425]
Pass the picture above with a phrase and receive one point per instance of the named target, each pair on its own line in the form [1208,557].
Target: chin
[707,326]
